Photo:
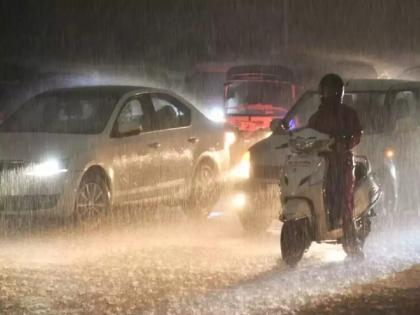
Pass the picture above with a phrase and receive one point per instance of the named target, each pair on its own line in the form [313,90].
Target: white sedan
[80,151]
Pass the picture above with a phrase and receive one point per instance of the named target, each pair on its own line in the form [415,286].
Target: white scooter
[304,213]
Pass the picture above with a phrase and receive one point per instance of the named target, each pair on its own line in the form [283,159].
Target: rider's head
[331,89]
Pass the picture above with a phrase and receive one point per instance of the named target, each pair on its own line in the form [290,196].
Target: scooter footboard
[295,209]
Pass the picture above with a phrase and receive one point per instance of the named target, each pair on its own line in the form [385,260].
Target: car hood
[374,147]
[271,151]
[40,146]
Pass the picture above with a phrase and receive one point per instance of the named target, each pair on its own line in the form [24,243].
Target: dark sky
[175,31]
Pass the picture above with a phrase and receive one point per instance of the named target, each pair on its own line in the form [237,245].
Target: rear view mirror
[229,92]
[278,125]
[130,127]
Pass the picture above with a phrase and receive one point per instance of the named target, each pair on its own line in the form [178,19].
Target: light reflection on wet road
[180,267]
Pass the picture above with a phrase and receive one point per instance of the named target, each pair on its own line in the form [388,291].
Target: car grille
[7,166]
[27,202]
[21,202]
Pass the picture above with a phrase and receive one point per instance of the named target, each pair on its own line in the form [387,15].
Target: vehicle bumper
[255,195]
[244,141]
[53,196]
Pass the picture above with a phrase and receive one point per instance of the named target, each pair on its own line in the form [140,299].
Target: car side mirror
[129,128]
[229,93]
[278,125]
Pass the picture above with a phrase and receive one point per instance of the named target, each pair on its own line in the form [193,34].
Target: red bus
[256,94]
[253,96]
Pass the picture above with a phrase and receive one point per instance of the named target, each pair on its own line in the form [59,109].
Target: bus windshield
[266,98]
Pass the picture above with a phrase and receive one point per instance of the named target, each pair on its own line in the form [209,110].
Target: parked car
[389,112]
[81,151]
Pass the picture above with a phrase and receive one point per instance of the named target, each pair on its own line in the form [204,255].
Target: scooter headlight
[308,144]
[302,144]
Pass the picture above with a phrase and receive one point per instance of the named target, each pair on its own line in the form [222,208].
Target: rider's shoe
[357,254]
[355,251]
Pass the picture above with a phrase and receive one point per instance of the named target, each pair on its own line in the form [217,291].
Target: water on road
[182,267]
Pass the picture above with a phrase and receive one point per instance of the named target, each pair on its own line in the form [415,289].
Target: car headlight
[47,168]
[230,139]
[217,114]
[243,169]
[239,200]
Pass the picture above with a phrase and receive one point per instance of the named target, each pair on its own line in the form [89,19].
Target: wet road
[397,294]
[178,267]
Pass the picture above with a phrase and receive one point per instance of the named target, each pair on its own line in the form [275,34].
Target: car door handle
[193,140]
[154,145]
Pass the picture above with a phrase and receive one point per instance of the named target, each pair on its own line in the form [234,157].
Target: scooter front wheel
[362,231]
[294,241]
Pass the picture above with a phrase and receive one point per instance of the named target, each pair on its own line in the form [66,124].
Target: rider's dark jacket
[342,123]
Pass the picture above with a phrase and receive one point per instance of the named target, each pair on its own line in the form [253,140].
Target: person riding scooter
[342,124]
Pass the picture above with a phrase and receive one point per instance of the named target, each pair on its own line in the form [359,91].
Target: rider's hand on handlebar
[341,146]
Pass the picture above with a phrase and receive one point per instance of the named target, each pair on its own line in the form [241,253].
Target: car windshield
[370,106]
[257,98]
[71,111]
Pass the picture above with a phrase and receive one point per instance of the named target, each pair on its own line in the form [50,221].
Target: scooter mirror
[278,125]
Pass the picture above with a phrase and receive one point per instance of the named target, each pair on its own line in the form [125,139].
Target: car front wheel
[92,200]
[204,191]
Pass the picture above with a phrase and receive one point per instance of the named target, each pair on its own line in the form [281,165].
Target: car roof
[276,71]
[410,73]
[112,89]
[378,85]
[407,85]
[372,84]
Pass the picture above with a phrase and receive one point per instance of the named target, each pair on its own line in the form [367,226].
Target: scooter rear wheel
[294,240]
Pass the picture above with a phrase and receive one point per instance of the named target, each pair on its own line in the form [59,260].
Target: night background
[178,33]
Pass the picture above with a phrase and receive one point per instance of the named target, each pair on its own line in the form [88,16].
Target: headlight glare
[243,169]
[389,153]
[239,201]
[230,138]
[47,168]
